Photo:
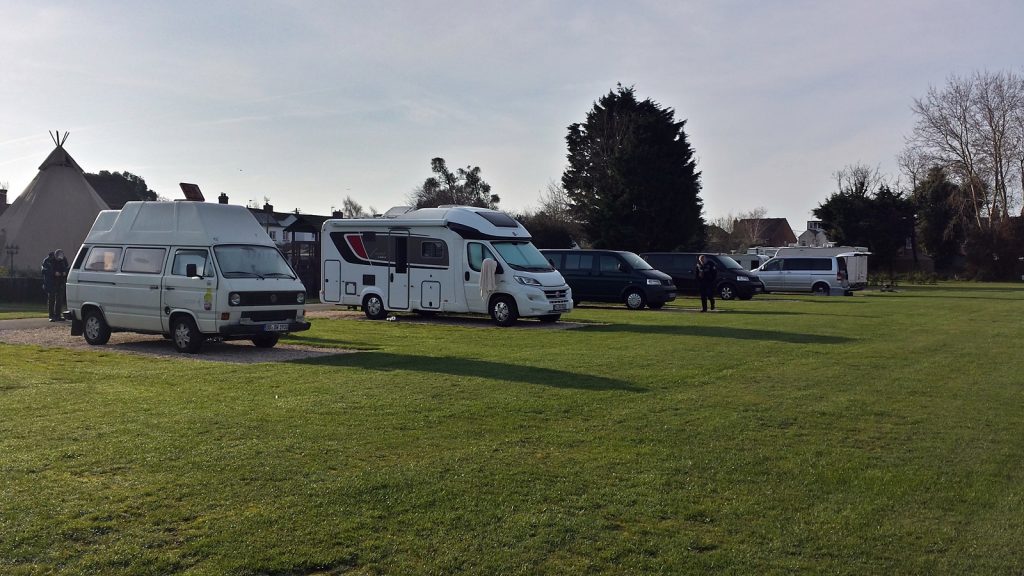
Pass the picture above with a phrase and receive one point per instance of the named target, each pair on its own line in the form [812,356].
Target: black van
[612,276]
[733,280]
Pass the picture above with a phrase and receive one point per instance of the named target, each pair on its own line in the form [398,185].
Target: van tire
[821,289]
[373,307]
[635,300]
[185,335]
[94,328]
[503,310]
[726,291]
[265,341]
[549,318]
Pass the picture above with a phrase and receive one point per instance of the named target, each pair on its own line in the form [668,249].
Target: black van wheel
[373,307]
[94,328]
[726,291]
[503,310]
[635,300]
[820,289]
[186,335]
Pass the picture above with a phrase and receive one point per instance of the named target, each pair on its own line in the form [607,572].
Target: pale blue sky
[307,102]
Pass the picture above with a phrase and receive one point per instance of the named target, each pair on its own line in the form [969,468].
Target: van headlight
[653,282]
[234,298]
[300,297]
[742,279]
[527,281]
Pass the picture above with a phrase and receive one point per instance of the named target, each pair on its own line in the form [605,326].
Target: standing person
[60,278]
[50,284]
[707,276]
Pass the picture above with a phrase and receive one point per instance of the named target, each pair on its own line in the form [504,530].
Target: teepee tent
[56,210]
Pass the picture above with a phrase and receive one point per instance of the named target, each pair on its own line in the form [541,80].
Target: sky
[305,103]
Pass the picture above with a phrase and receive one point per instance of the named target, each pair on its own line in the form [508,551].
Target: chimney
[223,198]
[337,214]
[3,199]
[268,207]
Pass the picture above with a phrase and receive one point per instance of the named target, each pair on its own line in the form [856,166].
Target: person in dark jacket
[707,278]
[55,277]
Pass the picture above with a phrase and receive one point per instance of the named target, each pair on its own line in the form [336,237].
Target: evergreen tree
[632,180]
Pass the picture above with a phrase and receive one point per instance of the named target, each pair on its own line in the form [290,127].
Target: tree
[352,209]
[940,229]
[116,188]
[632,180]
[752,229]
[464,187]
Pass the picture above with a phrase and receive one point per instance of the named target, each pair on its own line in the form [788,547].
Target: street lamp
[11,250]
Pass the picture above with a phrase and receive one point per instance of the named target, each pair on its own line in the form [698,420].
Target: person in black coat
[55,277]
[707,278]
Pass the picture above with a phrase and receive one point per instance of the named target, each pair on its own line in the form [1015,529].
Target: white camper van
[188,270]
[818,270]
[434,260]
[856,260]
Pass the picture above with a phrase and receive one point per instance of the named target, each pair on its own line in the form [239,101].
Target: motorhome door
[398,270]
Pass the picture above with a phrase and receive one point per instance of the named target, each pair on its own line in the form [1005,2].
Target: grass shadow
[329,343]
[724,332]
[468,367]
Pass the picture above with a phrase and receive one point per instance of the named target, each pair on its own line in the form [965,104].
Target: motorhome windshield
[522,256]
[730,263]
[242,261]
[636,262]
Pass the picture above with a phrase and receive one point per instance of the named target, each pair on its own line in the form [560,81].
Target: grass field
[13,310]
[874,434]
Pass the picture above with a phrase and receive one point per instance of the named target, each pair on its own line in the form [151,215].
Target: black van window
[684,262]
[610,264]
[554,259]
[659,261]
[579,261]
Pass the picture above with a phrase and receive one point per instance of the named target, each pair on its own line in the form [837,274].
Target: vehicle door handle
[391,278]
[154,287]
[467,276]
[169,288]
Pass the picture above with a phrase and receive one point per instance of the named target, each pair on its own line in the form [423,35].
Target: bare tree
[352,209]
[749,227]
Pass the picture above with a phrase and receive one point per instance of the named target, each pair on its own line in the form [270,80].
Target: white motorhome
[188,270]
[856,260]
[433,260]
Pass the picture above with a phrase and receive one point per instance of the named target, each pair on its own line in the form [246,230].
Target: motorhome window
[251,261]
[635,262]
[522,255]
[144,260]
[376,247]
[102,259]
[579,261]
[432,249]
[499,219]
[772,266]
[477,253]
[182,258]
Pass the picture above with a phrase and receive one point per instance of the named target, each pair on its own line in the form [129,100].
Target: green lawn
[876,434]
[13,310]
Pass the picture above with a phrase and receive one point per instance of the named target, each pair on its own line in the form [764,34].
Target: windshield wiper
[247,274]
[279,275]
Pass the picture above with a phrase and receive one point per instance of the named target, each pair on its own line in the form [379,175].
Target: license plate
[560,306]
[276,327]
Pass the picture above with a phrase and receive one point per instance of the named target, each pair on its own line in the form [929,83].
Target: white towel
[487,282]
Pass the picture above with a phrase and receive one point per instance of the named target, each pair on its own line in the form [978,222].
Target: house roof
[771,231]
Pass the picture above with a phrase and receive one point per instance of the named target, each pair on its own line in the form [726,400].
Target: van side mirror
[190,271]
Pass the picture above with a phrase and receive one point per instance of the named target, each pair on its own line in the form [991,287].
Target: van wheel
[726,291]
[820,289]
[185,335]
[503,310]
[549,318]
[635,300]
[94,328]
[373,307]
[265,341]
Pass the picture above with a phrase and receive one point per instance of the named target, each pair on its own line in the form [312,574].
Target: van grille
[269,316]
[558,294]
[282,298]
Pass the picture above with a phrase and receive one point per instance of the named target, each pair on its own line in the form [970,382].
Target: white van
[856,260]
[188,270]
[432,260]
[818,273]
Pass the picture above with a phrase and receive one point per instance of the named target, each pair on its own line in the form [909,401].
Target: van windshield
[522,255]
[245,261]
[729,263]
[635,262]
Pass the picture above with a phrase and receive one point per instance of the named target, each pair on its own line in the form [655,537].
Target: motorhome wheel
[95,329]
[185,335]
[373,307]
[503,310]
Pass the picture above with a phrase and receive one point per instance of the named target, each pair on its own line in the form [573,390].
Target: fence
[22,290]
